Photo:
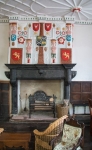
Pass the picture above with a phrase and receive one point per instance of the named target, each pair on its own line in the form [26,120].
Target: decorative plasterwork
[79,9]
[41,18]
[67,19]
[4,20]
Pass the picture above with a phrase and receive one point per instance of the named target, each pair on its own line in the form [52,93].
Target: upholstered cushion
[70,137]
[59,147]
[70,133]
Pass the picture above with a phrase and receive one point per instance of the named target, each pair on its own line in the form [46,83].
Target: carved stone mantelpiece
[41,72]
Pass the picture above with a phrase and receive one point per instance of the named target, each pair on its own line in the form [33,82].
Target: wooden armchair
[42,138]
[90,108]
[71,137]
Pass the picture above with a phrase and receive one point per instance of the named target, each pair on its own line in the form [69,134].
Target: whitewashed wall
[4,46]
[81,53]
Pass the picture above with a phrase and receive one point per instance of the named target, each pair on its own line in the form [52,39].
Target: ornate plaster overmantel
[39,72]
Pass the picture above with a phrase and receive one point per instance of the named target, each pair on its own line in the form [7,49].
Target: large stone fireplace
[48,74]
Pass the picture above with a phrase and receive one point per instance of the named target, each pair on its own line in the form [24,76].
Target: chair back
[73,122]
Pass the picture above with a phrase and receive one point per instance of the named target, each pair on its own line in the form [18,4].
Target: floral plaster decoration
[60,35]
[22,33]
[61,40]
[21,40]
[57,32]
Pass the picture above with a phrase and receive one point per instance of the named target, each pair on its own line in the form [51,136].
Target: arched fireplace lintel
[39,71]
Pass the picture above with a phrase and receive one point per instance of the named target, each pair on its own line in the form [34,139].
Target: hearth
[39,72]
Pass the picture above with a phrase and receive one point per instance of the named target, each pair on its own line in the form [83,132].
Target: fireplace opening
[51,76]
[28,87]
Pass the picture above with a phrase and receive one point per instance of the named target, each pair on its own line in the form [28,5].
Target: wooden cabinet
[80,91]
[4,100]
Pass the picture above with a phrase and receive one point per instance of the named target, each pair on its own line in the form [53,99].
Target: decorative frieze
[45,18]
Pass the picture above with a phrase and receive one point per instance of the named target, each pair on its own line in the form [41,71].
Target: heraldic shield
[41,40]
[16,56]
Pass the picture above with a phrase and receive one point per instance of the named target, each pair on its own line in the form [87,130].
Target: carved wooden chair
[42,138]
[90,108]
[71,137]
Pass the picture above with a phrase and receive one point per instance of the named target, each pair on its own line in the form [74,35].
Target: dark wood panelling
[4,100]
[80,91]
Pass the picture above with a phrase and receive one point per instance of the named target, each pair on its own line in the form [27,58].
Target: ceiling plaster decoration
[79,11]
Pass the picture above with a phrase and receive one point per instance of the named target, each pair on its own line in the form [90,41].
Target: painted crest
[16,54]
[41,40]
[48,26]
[66,55]
[36,26]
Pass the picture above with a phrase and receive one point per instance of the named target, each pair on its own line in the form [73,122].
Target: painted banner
[16,56]
[36,26]
[66,55]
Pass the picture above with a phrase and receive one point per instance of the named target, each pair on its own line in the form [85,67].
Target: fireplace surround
[39,72]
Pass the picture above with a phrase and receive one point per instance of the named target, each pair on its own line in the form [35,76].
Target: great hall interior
[45,75]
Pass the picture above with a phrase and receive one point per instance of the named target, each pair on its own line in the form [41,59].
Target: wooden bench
[41,101]
[15,141]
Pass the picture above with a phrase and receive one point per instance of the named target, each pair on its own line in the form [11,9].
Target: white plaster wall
[4,46]
[82,52]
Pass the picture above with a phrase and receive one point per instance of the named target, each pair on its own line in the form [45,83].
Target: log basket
[62,110]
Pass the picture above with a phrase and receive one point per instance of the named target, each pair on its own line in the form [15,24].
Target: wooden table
[15,139]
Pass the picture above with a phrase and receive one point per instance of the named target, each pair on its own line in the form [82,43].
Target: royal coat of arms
[41,40]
